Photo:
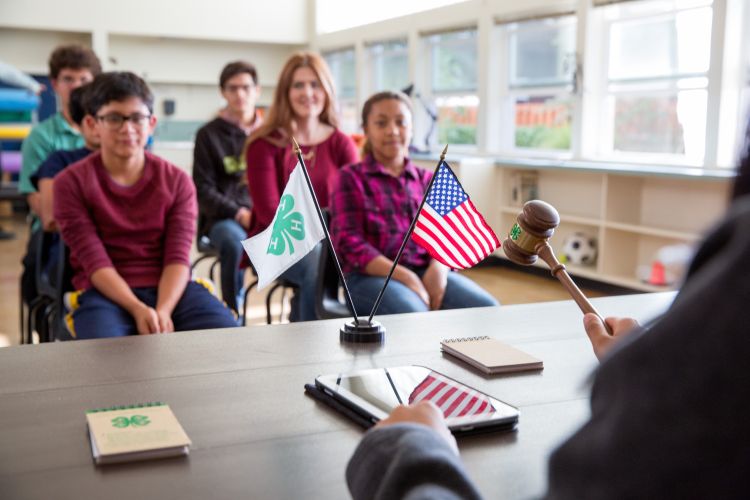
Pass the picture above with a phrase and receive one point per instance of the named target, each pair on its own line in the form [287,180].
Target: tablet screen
[378,391]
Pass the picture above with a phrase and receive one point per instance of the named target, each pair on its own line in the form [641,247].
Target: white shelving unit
[631,213]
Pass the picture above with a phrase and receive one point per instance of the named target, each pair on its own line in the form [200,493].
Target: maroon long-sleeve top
[270,162]
[137,229]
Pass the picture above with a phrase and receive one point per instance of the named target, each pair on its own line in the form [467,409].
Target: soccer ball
[580,249]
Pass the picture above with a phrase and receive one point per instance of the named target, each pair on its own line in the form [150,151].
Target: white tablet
[373,393]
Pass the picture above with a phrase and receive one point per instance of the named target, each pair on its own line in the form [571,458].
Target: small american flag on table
[452,401]
[450,227]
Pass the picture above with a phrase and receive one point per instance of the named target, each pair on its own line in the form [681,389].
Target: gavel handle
[558,271]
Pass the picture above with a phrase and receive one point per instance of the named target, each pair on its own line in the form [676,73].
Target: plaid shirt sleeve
[348,219]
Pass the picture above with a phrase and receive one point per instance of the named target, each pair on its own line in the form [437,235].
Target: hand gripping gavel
[527,239]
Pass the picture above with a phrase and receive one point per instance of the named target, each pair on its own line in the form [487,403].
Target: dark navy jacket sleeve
[407,461]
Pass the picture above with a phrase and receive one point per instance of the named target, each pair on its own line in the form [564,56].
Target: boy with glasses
[219,174]
[129,219]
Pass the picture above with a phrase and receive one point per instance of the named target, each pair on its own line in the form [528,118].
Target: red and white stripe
[460,239]
[452,400]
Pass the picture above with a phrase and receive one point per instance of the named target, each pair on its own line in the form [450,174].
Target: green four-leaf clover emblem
[288,225]
[233,165]
[515,232]
[135,421]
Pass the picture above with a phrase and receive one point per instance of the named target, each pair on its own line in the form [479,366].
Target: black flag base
[362,332]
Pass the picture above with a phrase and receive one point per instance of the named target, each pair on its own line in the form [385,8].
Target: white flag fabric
[293,233]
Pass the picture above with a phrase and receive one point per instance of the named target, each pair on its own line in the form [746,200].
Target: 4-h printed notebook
[138,432]
[490,355]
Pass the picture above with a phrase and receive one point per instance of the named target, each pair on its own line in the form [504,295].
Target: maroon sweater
[269,165]
[136,229]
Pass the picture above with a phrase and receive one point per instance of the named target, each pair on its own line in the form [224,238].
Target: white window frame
[505,143]
[596,130]
[371,57]
[430,95]
[341,100]
[735,91]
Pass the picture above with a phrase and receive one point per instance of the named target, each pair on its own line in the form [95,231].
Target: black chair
[26,285]
[207,251]
[327,302]
[248,288]
[63,272]
[47,312]
[39,306]
[284,286]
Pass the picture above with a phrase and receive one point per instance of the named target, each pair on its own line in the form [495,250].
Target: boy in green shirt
[70,66]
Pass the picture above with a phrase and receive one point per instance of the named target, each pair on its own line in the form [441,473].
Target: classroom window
[343,69]
[453,85]
[541,59]
[744,125]
[656,90]
[388,64]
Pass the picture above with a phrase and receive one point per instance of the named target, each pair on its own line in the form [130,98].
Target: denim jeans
[197,309]
[304,274]
[460,293]
[226,236]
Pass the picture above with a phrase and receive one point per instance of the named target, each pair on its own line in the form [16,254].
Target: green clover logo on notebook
[135,421]
[288,225]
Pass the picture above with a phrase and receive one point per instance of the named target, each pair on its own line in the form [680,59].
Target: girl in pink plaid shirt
[373,203]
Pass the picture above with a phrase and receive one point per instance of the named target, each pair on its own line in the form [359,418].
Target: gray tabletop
[239,395]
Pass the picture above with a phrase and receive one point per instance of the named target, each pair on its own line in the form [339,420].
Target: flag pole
[408,235]
[349,301]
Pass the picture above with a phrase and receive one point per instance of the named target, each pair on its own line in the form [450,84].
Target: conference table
[239,395]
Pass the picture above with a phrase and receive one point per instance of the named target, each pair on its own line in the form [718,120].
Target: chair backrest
[327,303]
[46,263]
[53,274]
[64,283]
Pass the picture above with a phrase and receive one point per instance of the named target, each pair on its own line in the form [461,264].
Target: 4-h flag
[294,231]
[449,225]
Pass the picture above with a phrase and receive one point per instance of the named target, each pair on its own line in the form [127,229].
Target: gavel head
[534,225]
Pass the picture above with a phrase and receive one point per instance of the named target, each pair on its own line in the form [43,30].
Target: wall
[178,47]
[187,71]
[29,49]
[280,21]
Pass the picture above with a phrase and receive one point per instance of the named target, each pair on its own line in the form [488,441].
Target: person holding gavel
[669,405]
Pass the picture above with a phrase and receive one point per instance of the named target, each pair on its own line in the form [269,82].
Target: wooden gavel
[528,238]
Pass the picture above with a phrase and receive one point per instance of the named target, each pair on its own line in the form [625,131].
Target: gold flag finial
[445,151]
[297,149]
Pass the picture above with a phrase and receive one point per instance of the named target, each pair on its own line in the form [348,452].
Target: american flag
[452,401]
[450,227]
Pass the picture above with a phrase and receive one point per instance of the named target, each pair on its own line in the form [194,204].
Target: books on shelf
[525,187]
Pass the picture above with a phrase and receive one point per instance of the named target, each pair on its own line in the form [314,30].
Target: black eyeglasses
[114,121]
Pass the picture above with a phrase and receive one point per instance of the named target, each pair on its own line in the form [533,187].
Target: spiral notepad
[136,432]
[490,355]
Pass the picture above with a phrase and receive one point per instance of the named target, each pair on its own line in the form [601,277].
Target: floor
[508,285]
